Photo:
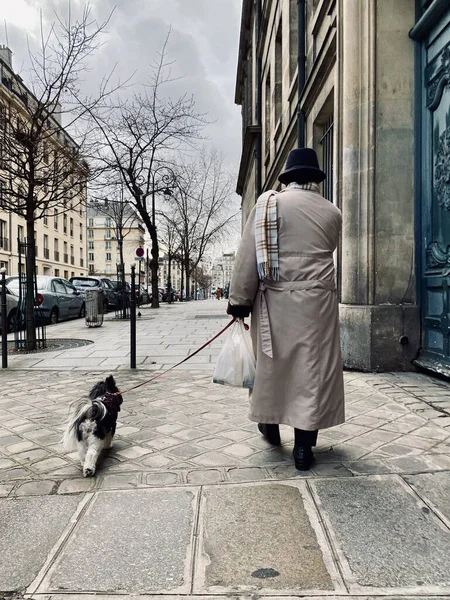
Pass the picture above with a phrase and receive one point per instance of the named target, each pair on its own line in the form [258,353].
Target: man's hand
[240,312]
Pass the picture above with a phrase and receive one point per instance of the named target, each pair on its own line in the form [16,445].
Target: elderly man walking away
[284,274]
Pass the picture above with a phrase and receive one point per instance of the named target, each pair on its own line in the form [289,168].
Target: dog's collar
[111,402]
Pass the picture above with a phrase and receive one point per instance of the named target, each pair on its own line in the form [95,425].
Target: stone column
[379,320]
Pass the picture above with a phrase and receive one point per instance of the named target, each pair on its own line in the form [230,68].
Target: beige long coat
[295,322]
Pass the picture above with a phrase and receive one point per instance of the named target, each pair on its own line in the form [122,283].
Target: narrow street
[191,501]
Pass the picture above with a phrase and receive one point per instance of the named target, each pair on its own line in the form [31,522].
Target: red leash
[181,362]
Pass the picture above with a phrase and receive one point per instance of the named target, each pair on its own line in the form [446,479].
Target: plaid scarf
[266,236]
[266,231]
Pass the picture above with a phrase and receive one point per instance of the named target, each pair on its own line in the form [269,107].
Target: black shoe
[271,432]
[303,457]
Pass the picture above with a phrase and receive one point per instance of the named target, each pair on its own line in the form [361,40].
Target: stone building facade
[61,232]
[104,228]
[346,78]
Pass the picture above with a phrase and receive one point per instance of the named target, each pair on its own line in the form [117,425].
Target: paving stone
[239,450]
[118,481]
[12,474]
[247,474]
[186,451]
[35,488]
[6,463]
[412,464]
[247,522]
[157,460]
[49,464]
[434,488]
[134,452]
[151,538]
[378,511]
[5,489]
[161,479]
[76,486]
[204,476]
[30,523]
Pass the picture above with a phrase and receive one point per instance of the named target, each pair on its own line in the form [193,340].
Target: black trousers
[305,438]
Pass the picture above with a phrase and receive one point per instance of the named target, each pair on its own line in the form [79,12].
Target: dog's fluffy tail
[80,411]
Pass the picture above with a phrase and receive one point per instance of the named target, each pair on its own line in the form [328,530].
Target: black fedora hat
[302,162]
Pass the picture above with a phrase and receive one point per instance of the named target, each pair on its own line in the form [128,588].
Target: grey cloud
[204,44]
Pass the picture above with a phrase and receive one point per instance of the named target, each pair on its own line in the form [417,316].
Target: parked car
[11,309]
[142,296]
[92,282]
[57,299]
[165,296]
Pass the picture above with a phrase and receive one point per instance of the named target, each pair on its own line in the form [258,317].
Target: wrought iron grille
[328,158]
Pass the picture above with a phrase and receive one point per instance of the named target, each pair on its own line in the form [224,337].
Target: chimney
[6,55]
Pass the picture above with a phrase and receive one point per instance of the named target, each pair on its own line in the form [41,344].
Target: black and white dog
[92,424]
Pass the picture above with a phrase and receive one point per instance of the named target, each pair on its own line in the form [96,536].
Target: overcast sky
[204,43]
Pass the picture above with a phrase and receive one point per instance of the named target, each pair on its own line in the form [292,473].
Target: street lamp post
[4,322]
[164,184]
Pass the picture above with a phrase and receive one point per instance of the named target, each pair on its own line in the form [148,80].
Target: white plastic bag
[236,365]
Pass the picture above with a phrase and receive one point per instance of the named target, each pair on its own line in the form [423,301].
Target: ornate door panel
[434,165]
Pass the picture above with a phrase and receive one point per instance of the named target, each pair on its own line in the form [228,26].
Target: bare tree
[203,279]
[137,140]
[172,244]
[122,216]
[41,165]
[203,207]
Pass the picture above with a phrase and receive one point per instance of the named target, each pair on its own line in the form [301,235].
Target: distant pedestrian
[218,293]
[284,274]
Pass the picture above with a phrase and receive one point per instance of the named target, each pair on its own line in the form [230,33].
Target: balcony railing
[57,255]
[72,260]
[66,258]
[4,243]
[46,253]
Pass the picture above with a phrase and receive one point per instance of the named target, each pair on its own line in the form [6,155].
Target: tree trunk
[123,291]
[188,277]
[169,280]
[29,284]
[154,270]
[182,279]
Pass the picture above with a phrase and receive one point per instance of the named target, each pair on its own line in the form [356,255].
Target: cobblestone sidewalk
[184,428]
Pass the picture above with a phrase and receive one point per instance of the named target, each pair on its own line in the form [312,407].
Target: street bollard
[133,318]
[4,322]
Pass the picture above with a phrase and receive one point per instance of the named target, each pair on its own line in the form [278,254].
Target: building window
[46,248]
[2,199]
[71,227]
[91,245]
[3,239]
[56,272]
[20,231]
[91,256]
[108,222]
[81,232]
[108,256]
[65,223]
[45,153]
[72,256]
[55,219]
[293,39]
[108,234]
[267,116]
[45,218]
[90,233]
[90,222]
[328,158]
[108,245]
[278,91]
[91,269]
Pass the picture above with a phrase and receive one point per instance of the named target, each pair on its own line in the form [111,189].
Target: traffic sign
[139,252]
